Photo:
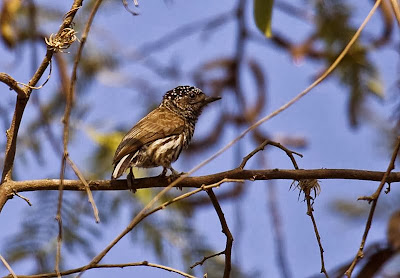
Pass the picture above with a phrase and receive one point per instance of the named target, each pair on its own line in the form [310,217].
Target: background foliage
[350,121]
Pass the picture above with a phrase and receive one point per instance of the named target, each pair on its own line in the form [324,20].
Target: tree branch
[146,211]
[79,269]
[12,273]
[226,231]
[65,156]
[205,258]
[253,175]
[374,199]
[13,84]
[22,100]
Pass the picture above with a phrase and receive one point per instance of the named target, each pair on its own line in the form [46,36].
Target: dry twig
[12,83]
[8,267]
[396,10]
[62,43]
[23,198]
[225,230]
[374,199]
[79,269]
[205,258]
[87,187]
[272,143]
[143,214]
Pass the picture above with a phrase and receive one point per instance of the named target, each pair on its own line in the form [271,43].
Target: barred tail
[121,166]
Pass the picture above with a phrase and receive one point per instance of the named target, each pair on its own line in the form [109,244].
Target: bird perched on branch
[158,138]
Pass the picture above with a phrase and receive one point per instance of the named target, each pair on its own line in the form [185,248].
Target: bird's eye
[192,95]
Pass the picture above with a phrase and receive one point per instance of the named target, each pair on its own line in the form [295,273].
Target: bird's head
[187,101]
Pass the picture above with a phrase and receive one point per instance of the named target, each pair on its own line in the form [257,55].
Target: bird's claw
[129,179]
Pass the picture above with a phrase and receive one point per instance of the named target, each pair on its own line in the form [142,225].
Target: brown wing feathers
[156,125]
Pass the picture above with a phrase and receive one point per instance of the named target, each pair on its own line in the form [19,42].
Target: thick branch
[151,182]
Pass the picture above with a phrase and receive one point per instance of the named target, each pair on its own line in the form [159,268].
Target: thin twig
[374,199]
[22,197]
[272,143]
[8,267]
[66,118]
[310,210]
[12,83]
[225,230]
[140,216]
[307,192]
[79,269]
[44,83]
[396,10]
[87,187]
[59,217]
[205,258]
[70,98]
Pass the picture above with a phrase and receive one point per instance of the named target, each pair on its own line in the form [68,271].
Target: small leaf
[263,16]
[375,86]
[8,15]
[107,140]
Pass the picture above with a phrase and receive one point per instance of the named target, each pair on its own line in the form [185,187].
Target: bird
[159,137]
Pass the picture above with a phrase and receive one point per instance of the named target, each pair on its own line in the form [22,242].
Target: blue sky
[320,117]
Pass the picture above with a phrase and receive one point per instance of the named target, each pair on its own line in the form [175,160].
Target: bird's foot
[163,173]
[130,178]
[175,174]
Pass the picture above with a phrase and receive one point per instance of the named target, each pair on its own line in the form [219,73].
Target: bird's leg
[176,174]
[130,179]
[163,173]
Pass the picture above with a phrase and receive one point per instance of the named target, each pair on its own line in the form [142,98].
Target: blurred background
[129,62]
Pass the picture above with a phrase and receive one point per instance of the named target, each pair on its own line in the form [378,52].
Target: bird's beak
[211,99]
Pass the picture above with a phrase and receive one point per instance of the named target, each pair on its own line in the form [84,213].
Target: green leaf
[263,16]
[375,86]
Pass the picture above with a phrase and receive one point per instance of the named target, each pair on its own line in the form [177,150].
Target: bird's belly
[161,152]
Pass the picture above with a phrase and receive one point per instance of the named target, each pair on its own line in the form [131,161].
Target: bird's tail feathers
[121,166]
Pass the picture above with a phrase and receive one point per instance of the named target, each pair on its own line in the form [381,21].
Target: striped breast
[164,151]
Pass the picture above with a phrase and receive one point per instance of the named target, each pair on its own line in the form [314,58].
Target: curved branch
[76,270]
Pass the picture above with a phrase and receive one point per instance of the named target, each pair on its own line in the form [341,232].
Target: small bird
[158,138]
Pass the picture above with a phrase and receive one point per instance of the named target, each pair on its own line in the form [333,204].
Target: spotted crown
[186,101]
[180,92]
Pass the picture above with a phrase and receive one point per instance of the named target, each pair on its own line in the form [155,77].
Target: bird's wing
[159,123]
